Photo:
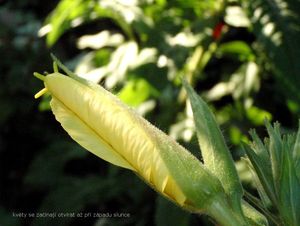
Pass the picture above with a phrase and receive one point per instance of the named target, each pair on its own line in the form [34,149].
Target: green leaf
[263,172]
[136,91]
[260,149]
[119,12]
[203,190]
[215,153]
[61,18]
[280,181]
[276,153]
[199,185]
[255,217]
[257,115]
[236,49]
[289,192]
[296,153]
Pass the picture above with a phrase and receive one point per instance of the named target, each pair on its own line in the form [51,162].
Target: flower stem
[223,214]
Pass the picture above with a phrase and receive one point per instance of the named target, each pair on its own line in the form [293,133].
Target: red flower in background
[217,31]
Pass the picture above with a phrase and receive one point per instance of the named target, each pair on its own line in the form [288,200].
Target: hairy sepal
[215,153]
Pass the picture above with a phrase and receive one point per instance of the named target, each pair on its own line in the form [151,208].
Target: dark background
[43,171]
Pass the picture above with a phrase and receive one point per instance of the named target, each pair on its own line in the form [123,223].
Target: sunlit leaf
[67,12]
[235,16]
[215,152]
[257,115]
[136,91]
[102,39]
[253,215]
[236,49]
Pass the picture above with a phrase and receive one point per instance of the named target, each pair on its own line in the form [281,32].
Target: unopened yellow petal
[174,192]
[86,136]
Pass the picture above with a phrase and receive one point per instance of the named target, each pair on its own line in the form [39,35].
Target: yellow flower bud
[102,124]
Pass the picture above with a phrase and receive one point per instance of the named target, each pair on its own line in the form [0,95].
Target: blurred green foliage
[241,57]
